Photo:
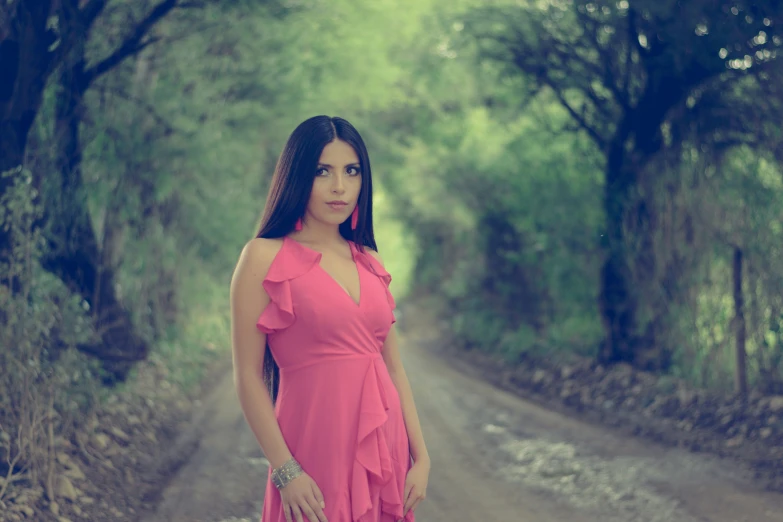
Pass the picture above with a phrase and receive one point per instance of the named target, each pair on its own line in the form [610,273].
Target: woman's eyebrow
[330,166]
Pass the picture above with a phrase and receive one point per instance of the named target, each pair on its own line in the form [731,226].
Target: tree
[33,48]
[641,78]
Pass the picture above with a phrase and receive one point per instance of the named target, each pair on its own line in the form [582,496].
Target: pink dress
[337,406]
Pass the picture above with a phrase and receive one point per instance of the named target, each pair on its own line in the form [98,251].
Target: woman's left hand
[416,486]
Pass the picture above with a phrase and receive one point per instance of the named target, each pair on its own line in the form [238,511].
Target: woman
[332,409]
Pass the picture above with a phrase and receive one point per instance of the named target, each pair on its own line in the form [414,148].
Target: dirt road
[496,458]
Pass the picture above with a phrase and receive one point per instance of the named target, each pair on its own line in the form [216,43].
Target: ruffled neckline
[292,263]
[375,267]
[305,257]
[294,260]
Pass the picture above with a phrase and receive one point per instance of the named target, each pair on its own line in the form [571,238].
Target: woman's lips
[337,206]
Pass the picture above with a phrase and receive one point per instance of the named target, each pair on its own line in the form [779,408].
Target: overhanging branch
[132,45]
[610,55]
[580,120]
[162,123]
[92,10]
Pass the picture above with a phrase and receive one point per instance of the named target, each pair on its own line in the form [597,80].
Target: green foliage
[742,205]
[44,383]
[487,193]
[203,331]
[477,176]
[662,89]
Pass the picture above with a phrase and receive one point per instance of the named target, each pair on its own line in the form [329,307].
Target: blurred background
[553,179]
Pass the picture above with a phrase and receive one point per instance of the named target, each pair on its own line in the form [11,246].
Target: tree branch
[600,140]
[609,55]
[566,70]
[132,45]
[92,10]
[150,109]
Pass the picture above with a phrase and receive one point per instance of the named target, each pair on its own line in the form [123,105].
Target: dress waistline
[330,358]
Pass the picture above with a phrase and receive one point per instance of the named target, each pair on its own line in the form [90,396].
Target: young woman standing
[316,359]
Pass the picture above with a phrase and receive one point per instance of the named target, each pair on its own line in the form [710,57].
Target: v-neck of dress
[343,289]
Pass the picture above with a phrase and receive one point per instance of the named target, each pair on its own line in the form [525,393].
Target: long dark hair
[290,190]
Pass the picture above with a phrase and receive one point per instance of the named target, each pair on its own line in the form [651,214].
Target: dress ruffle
[374,266]
[374,469]
[290,263]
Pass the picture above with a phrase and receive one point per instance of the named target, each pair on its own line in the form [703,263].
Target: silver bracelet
[286,473]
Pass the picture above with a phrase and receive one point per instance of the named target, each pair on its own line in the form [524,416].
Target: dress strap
[374,266]
[290,262]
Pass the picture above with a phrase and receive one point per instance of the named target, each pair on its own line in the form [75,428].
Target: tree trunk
[27,59]
[26,64]
[616,301]
[74,253]
[626,340]
[740,375]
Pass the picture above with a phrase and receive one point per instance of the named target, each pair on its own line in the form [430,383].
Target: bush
[45,383]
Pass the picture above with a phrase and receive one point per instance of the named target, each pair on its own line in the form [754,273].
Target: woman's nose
[338,185]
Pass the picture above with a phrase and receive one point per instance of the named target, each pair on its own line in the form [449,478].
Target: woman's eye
[321,172]
[353,171]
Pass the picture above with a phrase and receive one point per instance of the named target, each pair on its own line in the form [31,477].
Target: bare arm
[248,300]
[301,496]
[391,356]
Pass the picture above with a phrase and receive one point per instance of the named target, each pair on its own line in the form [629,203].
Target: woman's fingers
[410,499]
[408,491]
[312,509]
[319,497]
[297,513]
[413,500]
[304,498]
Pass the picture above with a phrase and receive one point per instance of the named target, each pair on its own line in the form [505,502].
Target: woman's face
[337,184]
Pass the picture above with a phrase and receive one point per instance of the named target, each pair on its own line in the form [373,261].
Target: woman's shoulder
[262,248]
[257,257]
[373,253]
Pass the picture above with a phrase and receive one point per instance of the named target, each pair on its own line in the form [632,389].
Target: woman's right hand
[302,496]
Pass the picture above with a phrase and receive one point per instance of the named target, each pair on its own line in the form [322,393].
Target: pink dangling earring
[354,217]
[298,225]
